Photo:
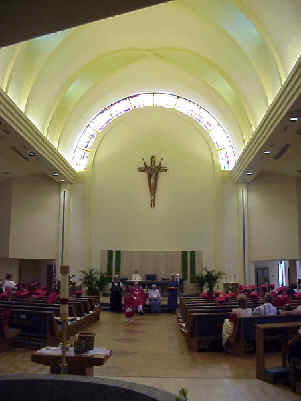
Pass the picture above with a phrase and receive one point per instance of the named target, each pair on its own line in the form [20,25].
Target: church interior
[148,139]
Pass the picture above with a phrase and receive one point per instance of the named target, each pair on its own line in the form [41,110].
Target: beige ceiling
[230,56]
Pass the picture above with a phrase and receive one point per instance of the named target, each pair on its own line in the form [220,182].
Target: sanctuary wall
[34,226]
[273,229]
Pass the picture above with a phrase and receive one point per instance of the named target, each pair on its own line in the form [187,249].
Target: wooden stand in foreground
[77,364]
[284,329]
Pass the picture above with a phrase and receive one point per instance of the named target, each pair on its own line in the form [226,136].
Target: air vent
[281,152]
[24,157]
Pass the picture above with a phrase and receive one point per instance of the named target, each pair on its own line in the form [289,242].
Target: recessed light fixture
[267,152]
[55,174]
[32,154]
[294,118]
[249,173]
[62,180]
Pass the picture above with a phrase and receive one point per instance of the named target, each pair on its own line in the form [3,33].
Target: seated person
[154,299]
[136,276]
[242,310]
[8,283]
[267,309]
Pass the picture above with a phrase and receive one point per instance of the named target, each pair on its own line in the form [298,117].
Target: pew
[7,334]
[244,338]
[39,323]
[201,322]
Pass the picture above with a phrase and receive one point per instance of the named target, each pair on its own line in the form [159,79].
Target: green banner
[110,263]
[184,265]
[192,266]
[117,262]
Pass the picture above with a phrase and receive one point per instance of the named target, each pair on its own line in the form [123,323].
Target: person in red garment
[129,306]
[139,296]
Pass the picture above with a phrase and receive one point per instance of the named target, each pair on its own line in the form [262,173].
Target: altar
[160,264]
[161,284]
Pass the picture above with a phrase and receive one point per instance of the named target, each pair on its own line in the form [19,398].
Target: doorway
[261,276]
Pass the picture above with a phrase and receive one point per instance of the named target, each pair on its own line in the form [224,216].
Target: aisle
[152,351]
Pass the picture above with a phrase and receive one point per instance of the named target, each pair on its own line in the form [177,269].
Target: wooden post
[259,353]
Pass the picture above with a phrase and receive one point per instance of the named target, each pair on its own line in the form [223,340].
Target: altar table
[82,364]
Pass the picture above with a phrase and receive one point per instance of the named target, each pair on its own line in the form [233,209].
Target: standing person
[139,296]
[172,302]
[154,299]
[129,306]
[116,294]
[8,283]
[180,282]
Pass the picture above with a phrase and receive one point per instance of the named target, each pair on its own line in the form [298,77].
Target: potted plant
[212,278]
[102,281]
[93,281]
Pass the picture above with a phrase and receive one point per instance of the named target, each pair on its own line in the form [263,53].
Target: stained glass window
[221,139]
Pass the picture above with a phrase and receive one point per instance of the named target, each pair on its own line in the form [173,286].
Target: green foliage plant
[212,278]
[94,282]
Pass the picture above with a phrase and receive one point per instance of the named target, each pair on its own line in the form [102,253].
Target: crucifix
[152,172]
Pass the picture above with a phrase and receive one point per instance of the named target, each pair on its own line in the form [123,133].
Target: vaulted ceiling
[229,56]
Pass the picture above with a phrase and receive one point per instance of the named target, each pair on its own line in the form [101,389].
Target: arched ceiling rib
[236,48]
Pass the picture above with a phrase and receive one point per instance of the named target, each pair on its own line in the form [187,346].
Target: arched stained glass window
[221,139]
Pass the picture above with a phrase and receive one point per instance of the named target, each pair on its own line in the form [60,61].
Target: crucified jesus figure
[152,172]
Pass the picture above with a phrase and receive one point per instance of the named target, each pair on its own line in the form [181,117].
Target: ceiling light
[294,118]
[62,180]
[55,174]
[32,154]
[249,173]
[267,152]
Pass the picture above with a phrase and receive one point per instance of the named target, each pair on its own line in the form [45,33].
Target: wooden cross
[152,172]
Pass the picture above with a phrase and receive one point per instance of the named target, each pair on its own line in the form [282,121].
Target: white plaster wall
[5,216]
[273,218]
[184,216]
[34,229]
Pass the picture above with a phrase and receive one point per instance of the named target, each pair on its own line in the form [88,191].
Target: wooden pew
[7,334]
